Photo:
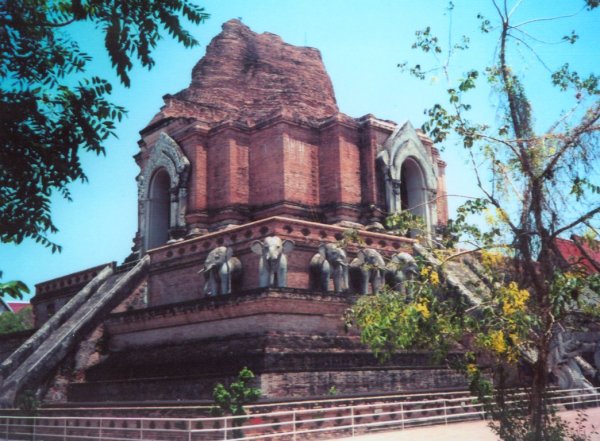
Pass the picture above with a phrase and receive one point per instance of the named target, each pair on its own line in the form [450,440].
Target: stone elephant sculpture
[221,271]
[399,269]
[329,263]
[367,267]
[272,268]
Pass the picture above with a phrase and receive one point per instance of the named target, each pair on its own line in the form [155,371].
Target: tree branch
[487,194]
[532,51]
[514,8]
[535,20]
[572,141]
[579,220]
[587,255]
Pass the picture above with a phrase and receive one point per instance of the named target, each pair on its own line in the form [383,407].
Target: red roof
[579,252]
[17,306]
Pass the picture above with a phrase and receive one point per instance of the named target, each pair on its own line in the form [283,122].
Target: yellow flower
[491,260]
[502,215]
[489,217]
[472,369]
[423,309]
[430,275]
[497,342]
[515,338]
[513,298]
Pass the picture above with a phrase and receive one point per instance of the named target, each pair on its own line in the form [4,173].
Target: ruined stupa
[249,178]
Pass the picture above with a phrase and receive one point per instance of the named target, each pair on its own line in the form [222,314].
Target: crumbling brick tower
[256,148]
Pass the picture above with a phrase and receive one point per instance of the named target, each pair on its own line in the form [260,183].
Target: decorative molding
[402,144]
[166,155]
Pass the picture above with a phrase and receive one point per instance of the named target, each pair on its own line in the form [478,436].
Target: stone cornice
[66,286]
[205,128]
[282,226]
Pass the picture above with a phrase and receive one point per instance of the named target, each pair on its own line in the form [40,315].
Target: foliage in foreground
[536,188]
[231,400]
[16,321]
[51,111]
[14,289]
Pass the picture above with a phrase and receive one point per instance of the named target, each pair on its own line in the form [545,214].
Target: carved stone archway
[159,209]
[403,152]
[165,156]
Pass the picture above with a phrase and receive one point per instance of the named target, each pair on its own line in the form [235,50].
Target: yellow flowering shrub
[429,274]
[472,369]
[513,299]
[491,259]
[423,308]
[498,342]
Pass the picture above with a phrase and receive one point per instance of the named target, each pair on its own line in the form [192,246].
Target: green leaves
[232,400]
[426,41]
[403,222]
[468,82]
[15,322]
[50,111]
[417,319]
[565,78]
[580,186]
[133,28]
[14,289]
[485,26]
[571,38]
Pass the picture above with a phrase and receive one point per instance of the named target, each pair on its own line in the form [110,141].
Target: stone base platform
[293,340]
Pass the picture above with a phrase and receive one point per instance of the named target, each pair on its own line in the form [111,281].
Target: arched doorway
[409,176]
[159,209]
[413,195]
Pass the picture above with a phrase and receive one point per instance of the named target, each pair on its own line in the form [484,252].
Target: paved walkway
[469,431]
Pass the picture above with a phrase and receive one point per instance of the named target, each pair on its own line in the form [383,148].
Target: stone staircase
[41,354]
[465,276]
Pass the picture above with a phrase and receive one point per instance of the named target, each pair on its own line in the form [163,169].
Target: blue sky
[361,44]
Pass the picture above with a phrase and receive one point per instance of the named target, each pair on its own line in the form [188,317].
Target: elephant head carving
[399,269]
[221,270]
[272,268]
[329,262]
[367,267]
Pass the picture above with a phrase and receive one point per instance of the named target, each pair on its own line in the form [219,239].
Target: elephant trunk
[412,269]
[272,260]
[207,268]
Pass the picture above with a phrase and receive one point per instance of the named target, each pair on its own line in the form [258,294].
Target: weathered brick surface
[287,364]
[357,381]
[267,166]
[261,127]
[277,76]
[286,311]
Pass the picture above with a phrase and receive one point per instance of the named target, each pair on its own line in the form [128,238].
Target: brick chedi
[249,179]
[258,133]
[248,77]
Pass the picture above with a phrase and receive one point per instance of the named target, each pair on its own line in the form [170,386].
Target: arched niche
[413,194]
[164,177]
[159,209]
[408,176]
